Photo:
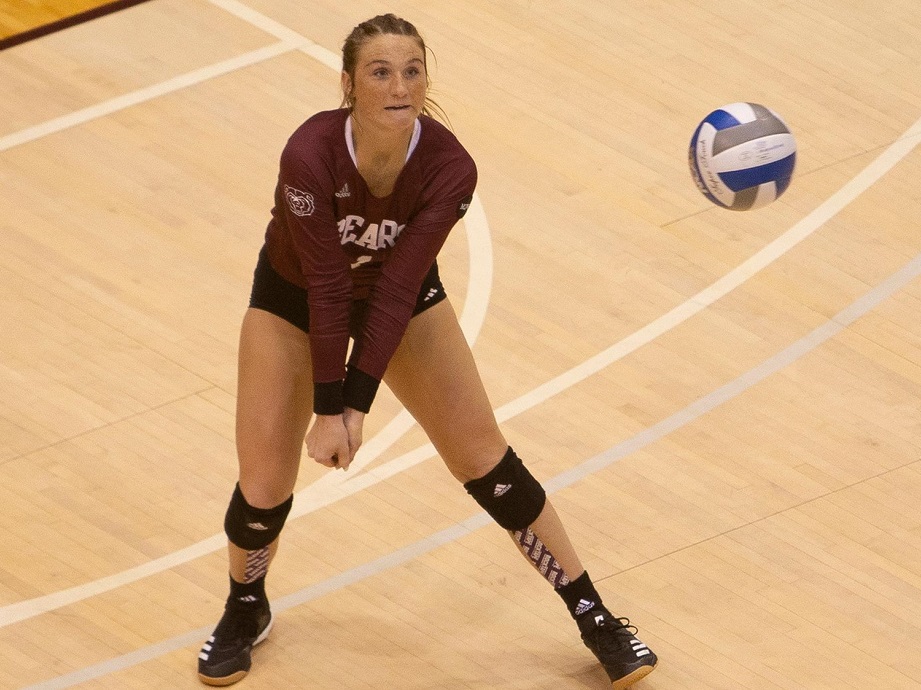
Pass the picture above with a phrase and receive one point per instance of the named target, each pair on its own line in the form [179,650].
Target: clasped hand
[334,439]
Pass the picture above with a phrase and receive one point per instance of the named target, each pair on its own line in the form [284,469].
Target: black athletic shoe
[614,642]
[226,657]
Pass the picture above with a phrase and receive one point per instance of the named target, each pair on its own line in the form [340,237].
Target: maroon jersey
[331,236]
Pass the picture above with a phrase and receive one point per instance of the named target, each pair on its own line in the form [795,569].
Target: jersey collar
[413,142]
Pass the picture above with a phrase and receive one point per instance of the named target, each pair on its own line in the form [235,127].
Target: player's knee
[254,528]
[509,493]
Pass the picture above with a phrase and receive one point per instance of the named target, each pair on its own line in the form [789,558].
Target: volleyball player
[365,199]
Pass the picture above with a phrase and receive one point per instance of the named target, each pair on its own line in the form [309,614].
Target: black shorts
[272,293]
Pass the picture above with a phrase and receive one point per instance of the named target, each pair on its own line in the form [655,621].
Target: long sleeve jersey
[331,236]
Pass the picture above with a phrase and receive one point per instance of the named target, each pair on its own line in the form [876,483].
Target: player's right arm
[306,200]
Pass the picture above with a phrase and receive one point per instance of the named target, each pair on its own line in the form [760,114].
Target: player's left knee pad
[509,493]
[254,528]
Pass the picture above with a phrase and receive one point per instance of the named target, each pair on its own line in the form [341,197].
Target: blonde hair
[384,24]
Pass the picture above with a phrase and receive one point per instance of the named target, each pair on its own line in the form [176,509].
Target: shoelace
[622,628]
[622,624]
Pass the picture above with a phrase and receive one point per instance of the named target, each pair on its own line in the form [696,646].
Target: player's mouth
[397,107]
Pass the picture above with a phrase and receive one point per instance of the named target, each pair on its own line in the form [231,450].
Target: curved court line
[474,314]
[308,500]
[694,305]
[326,491]
[479,288]
[698,408]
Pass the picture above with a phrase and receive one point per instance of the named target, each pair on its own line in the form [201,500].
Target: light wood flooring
[726,406]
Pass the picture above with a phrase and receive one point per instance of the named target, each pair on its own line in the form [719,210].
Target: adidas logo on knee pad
[509,493]
[254,528]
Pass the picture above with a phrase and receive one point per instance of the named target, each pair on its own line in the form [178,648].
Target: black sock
[581,597]
[247,592]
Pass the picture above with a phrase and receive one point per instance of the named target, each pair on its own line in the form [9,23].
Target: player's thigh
[274,405]
[434,375]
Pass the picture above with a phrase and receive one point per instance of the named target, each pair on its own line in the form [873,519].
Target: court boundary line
[479,289]
[331,488]
[821,334]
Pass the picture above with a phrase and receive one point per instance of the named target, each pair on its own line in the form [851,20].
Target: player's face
[390,82]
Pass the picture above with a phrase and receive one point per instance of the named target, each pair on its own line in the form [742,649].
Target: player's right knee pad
[254,528]
[509,493]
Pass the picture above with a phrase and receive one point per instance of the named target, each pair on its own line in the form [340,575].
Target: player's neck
[380,156]
[378,144]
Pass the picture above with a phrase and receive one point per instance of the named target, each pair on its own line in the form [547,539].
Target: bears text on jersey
[381,235]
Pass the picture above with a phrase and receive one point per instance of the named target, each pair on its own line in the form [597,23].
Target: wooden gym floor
[20,17]
[724,405]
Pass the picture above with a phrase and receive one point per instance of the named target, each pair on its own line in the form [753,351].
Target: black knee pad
[509,493]
[254,528]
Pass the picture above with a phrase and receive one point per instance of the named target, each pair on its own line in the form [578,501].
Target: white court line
[288,41]
[127,100]
[475,306]
[803,346]
[280,31]
[334,487]
[471,319]
[758,261]
[328,489]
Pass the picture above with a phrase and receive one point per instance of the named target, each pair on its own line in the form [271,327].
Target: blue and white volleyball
[742,156]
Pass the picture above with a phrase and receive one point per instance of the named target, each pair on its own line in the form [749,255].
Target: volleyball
[742,156]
